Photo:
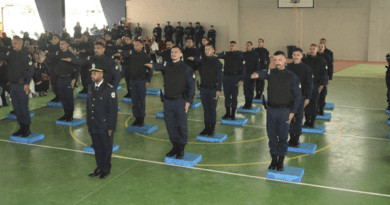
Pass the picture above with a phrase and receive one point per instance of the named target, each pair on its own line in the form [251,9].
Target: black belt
[279,105]
[212,86]
[138,78]
[17,81]
[175,97]
[232,74]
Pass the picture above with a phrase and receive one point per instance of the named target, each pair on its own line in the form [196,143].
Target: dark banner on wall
[51,15]
[114,10]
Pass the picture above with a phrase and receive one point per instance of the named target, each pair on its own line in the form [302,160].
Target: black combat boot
[307,121]
[69,118]
[26,131]
[136,122]
[180,152]
[65,116]
[173,150]
[211,132]
[233,113]
[141,122]
[227,115]
[290,142]
[274,162]
[205,130]
[312,121]
[20,131]
[296,141]
[280,163]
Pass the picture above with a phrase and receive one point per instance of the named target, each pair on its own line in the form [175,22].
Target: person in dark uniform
[85,50]
[199,32]
[41,70]
[304,73]
[157,33]
[318,66]
[179,33]
[166,54]
[264,64]
[189,31]
[329,72]
[234,73]
[67,75]
[327,51]
[202,50]
[65,35]
[190,51]
[77,31]
[20,71]
[137,32]
[168,31]
[53,65]
[140,80]
[121,29]
[210,69]
[108,38]
[115,32]
[102,116]
[179,87]
[388,81]
[111,75]
[212,35]
[127,32]
[252,64]
[127,47]
[284,97]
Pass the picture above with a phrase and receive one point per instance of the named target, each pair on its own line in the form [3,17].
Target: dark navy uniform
[126,66]
[234,71]
[324,92]
[179,87]
[66,72]
[20,72]
[388,81]
[330,53]
[137,32]
[318,66]
[102,115]
[157,30]
[139,77]
[190,52]
[53,65]
[264,64]
[179,33]
[189,32]
[210,70]
[284,97]
[168,32]
[252,64]
[84,72]
[305,75]
[212,34]
[199,32]
[202,51]
[165,54]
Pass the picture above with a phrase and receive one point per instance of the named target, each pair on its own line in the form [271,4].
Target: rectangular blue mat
[305,148]
[195,104]
[160,114]
[82,95]
[292,174]
[127,100]
[12,116]
[259,100]
[119,107]
[153,91]
[327,116]
[189,160]
[387,111]
[329,106]
[75,122]
[118,88]
[54,104]
[33,137]
[388,122]
[217,138]
[318,129]
[198,95]
[238,121]
[146,129]
[89,149]
[254,110]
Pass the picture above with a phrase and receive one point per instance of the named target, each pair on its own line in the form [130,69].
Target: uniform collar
[98,85]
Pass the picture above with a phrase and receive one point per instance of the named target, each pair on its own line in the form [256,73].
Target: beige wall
[355,29]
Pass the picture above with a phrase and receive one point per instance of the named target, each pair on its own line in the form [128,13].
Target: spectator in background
[26,38]
[137,32]
[65,34]
[162,45]
[153,47]
[86,32]
[77,31]
[6,41]
[40,77]
[50,36]
[42,42]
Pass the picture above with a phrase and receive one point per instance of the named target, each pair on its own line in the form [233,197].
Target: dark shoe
[136,122]
[307,122]
[246,104]
[83,92]
[211,132]
[227,115]
[95,173]
[280,163]
[258,95]
[128,95]
[26,131]
[274,162]
[12,112]
[104,175]
[19,132]
[321,112]
[205,130]
[250,104]
[296,141]
[56,99]
[233,113]
[65,116]
[290,142]
[312,121]
[180,152]
[173,150]
[141,122]
[69,118]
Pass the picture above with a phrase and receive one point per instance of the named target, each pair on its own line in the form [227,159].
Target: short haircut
[17,38]
[103,39]
[261,39]
[178,48]
[205,38]
[109,33]
[170,41]
[297,49]
[138,41]
[279,53]
[250,42]
[323,39]
[99,43]
[212,46]
[313,45]
[233,42]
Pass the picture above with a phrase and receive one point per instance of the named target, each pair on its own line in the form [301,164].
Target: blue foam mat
[254,110]
[146,129]
[89,149]
[75,122]
[292,174]
[119,107]
[387,111]
[238,121]
[217,138]
[153,91]
[388,122]
[305,148]
[259,100]
[119,88]
[319,129]
[12,116]
[326,116]
[329,106]
[127,100]
[33,137]
[189,160]
[195,104]
[198,95]
[82,95]
[160,114]
[54,104]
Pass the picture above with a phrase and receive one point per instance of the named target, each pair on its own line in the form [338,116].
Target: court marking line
[215,171]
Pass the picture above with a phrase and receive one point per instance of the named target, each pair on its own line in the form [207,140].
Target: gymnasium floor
[351,164]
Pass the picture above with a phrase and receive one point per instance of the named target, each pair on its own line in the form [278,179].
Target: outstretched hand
[67,59]
[149,65]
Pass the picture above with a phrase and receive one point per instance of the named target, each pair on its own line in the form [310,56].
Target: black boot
[290,142]
[136,122]
[141,122]
[26,131]
[180,151]
[227,115]
[233,113]
[128,95]
[69,118]
[250,103]
[296,141]
[312,120]
[173,150]
[211,132]
[274,162]
[19,132]
[65,116]
[280,163]
[246,104]
[56,99]
[12,112]
[307,121]
[321,111]
[205,130]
